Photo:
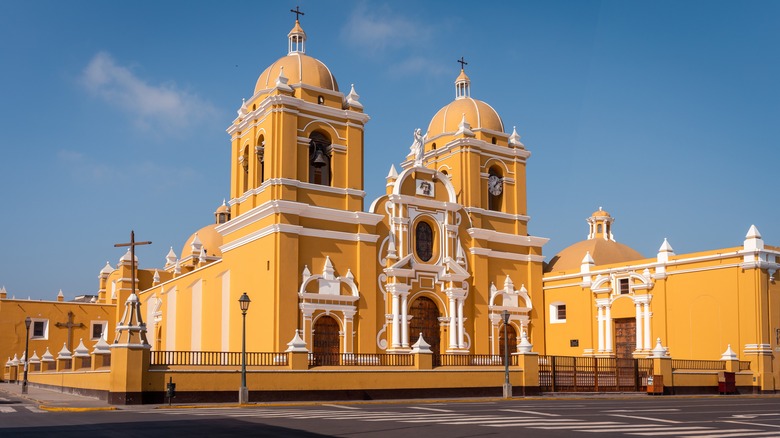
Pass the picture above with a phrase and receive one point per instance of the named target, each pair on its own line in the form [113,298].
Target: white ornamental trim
[299,230]
[511,239]
[506,255]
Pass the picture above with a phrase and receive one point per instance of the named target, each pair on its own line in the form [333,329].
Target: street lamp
[507,385]
[27,322]
[243,392]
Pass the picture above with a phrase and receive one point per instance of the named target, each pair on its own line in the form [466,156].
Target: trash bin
[655,384]
[727,383]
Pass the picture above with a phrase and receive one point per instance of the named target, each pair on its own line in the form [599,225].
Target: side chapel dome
[299,68]
[600,244]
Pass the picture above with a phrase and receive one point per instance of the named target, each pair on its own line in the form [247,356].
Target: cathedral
[444,254]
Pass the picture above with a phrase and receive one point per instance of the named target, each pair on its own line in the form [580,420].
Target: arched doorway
[325,341]
[511,333]
[425,320]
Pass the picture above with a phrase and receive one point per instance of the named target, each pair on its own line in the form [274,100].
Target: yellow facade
[444,253]
[696,305]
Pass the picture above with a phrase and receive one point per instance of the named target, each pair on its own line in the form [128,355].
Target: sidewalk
[53,400]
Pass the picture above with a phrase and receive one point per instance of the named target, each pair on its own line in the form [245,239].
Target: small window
[624,287]
[557,313]
[433,146]
[598,228]
[39,329]
[320,100]
[493,140]
[99,329]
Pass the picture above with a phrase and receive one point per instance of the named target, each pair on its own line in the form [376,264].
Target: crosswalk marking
[430,409]
[341,406]
[7,409]
[646,418]
[35,410]
[530,412]
[538,420]
[680,431]
[726,434]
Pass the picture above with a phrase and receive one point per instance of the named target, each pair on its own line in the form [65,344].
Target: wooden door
[625,337]
[325,340]
[425,320]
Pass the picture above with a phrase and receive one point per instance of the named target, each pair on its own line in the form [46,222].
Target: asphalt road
[722,417]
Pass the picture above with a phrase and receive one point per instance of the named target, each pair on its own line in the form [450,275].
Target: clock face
[495,185]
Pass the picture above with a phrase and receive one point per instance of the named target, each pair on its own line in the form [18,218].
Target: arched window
[433,146]
[320,100]
[319,159]
[260,151]
[245,168]
[495,189]
[493,140]
[424,241]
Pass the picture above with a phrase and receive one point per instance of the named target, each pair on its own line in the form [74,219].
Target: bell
[319,159]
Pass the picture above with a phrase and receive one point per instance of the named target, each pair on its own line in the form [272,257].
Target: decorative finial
[297,12]
[463,63]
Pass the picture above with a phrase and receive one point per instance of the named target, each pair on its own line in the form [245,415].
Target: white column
[601,328]
[639,337]
[648,345]
[404,320]
[608,328]
[453,323]
[461,329]
[396,321]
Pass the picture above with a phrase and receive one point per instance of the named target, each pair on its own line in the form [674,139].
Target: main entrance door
[625,337]
[325,340]
[425,320]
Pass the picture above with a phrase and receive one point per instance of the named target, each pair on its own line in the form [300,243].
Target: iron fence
[216,358]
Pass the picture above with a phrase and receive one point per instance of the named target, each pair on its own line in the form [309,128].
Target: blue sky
[113,114]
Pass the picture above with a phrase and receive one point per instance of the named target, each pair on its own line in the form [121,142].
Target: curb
[71,409]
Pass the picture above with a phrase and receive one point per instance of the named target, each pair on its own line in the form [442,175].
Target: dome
[209,238]
[603,252]
[298,69]
[478,113]
[601,245]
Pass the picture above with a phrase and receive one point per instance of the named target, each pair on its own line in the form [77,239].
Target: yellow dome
[478,114]
[602,251]
[298,69]
[600,213]
[209,238]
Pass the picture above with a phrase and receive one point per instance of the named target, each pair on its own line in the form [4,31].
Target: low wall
[87,383]
[330,384]
[706,382]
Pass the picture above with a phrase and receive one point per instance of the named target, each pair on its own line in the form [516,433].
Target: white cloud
[379,29]
[419,65]
[89,170]
[152,106]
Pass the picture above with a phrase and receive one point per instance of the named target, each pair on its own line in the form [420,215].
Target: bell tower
[297,138]
[466,140]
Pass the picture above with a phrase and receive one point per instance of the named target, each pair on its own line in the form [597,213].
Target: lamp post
[27,322]
[507,385]
[243,392]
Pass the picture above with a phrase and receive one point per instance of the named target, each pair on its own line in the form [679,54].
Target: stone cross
[69,325]
[132,244]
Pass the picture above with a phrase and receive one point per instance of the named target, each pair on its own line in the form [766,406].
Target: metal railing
[468,360]
[592,374]
[216,358]
[704,365]
[360,359]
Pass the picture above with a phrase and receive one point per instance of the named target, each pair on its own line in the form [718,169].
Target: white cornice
[297,208]
[512,239]
[314,111]
[423,202]
[301,231]
[655,265]
[296,183]
[498,214]
[506,255]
